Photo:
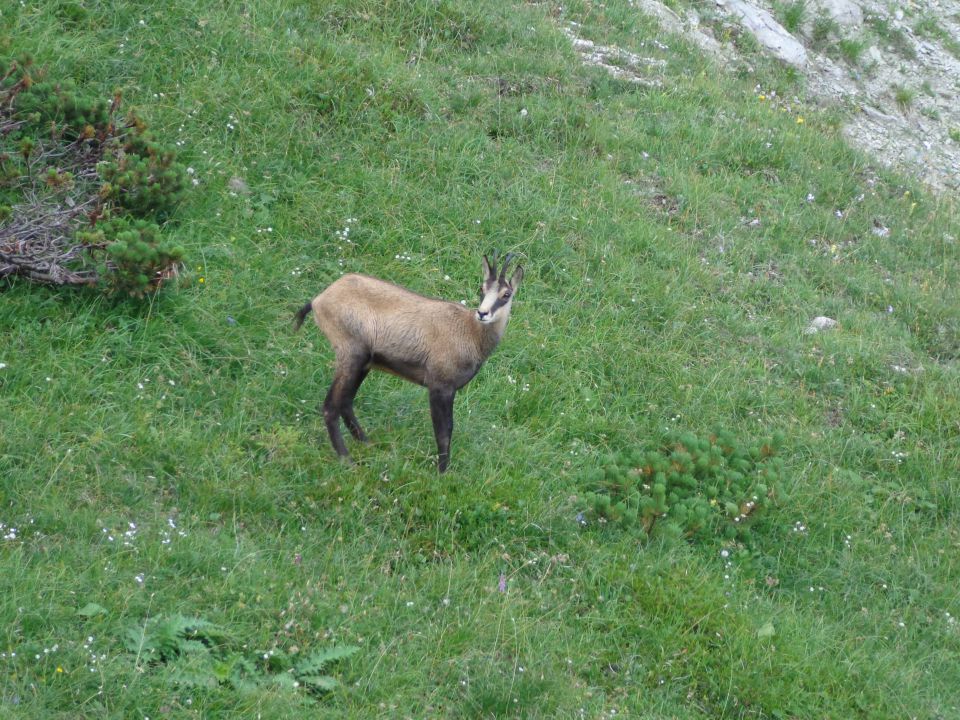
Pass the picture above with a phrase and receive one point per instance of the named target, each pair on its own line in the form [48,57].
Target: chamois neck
[490,334]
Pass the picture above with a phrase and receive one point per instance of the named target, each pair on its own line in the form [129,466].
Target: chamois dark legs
[347,377]
[348,415]
[441,411]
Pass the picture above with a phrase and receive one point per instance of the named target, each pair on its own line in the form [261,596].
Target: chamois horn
[506,261]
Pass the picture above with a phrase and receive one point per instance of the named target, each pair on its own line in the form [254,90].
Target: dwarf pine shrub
[83,190]
[136,251]
[696,487]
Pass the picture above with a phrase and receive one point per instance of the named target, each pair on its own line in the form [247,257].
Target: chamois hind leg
[331,416]
[348,415]
[441,411]
[346,379]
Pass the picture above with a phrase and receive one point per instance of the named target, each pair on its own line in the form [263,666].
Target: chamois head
[497,291]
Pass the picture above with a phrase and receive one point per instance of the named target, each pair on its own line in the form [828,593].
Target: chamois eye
[507,294]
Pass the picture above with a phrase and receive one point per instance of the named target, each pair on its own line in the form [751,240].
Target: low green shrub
[136,253]
[693,487]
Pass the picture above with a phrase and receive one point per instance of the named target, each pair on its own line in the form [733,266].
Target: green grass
[650,303]
[792,15]
[893,37]
[824,32]
[851,49]
[904,97]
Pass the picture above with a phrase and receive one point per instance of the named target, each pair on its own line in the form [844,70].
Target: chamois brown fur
[435,343]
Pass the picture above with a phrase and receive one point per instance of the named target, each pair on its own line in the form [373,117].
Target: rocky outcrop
[846,13]
[620,63]
[898,74]
[769,33]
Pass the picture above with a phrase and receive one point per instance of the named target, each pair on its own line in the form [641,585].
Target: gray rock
[821,322]
[845,13]
[620,63]
[768,32]
[238,185]
[671,22]
[877,115]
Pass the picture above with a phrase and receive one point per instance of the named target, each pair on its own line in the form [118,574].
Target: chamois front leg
[441,411]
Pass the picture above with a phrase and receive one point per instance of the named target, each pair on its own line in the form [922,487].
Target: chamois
[435,343]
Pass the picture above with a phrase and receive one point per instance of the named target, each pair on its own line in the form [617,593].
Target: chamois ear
[516,277]
[488,273]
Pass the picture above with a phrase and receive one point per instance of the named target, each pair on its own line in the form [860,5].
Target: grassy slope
[637,315]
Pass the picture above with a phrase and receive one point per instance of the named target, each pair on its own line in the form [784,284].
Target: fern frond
[323,683]
[317,660]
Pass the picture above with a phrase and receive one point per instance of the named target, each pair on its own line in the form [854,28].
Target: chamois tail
[302,315]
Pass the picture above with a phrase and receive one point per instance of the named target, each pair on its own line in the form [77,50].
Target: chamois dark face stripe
[501,301]
[496,306]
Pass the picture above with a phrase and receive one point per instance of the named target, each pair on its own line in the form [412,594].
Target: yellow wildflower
[799,121]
